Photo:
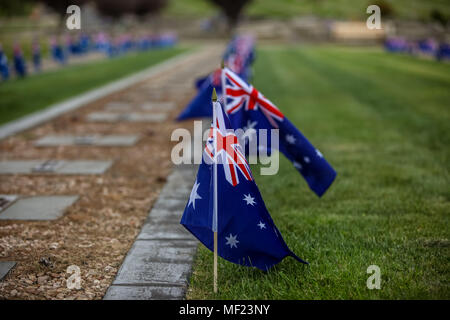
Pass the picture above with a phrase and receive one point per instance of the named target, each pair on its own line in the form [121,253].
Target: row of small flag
[225,204]
[428,47]
[61,49]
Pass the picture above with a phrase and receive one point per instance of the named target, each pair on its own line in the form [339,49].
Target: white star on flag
[249,199]
[194,195]
[249,131]
[297,165]
[261,225]
[250,125]
[306,159]
[319,154]
[290,139]
[232,241]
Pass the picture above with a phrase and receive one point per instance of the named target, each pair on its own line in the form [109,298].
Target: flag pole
[215,261]
[214,101]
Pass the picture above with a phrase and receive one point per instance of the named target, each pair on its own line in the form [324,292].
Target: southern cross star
[261,225]
[297,165]
[232,241]
[250,125]
[249,131]
[194,195]
[319,154]
[290,139]
[249,199]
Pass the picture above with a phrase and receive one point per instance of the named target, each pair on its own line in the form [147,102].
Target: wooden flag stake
[215,262]
[214,99]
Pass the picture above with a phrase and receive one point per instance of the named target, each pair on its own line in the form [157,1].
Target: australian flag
[247,108]
[226,200]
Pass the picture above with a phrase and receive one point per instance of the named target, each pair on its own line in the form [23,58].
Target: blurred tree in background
[9,8]
[144,7]
[385,7]
[111,8]
[439,17]
[232,9]
[115,8]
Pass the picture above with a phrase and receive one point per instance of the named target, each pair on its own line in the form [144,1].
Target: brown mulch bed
[97,231]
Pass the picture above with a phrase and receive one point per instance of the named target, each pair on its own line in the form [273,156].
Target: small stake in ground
[214,227]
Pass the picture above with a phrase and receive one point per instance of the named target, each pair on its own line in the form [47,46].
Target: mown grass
[336,9]
[382,121]
[19,97]
[346,9]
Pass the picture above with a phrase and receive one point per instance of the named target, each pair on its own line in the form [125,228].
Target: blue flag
[4,68]
[226,200]
[19,62]
[247,109]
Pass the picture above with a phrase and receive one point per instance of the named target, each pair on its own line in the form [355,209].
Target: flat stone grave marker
[42,167]
[146,94]
[5,267]
[54,166]
[88,140]
[158,106]
[119,105]
[121,108]
[38,208]
[129,117]
[6,200]
[148,106]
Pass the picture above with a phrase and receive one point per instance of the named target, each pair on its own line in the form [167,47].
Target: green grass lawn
[22,96]
[337,9]
[382,121]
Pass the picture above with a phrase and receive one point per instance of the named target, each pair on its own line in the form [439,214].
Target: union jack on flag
[240,94]
[229,152]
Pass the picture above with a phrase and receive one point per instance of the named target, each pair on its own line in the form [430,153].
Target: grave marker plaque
[84,140]
[5,267]
[6,201]
[47,166]
[93,140]
[54,166]
[38,208]
[127,117]
[158,106]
